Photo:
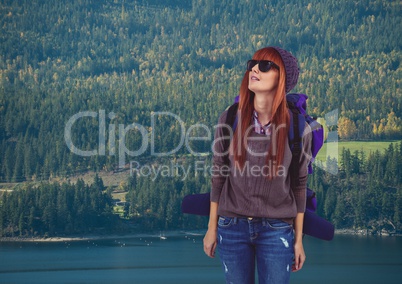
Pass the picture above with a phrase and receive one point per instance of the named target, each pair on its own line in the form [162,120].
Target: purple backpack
[298,112]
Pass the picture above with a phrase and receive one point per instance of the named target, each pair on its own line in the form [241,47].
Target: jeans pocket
[278,224]
[224,222]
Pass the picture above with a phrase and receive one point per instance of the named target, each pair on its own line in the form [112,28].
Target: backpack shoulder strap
[231,121]
[232,115]
[295,134]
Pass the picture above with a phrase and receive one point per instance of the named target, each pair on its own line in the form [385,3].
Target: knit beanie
[291,68]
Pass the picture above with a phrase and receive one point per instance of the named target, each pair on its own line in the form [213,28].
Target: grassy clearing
[334,150]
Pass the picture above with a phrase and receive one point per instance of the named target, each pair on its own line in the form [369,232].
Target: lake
[180,259]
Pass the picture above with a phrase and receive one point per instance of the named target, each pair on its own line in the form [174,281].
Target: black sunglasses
[263,65]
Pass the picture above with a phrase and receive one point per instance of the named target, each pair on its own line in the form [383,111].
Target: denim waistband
[263,220]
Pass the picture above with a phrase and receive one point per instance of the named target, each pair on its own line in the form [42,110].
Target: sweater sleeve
[299,187]
[220,168]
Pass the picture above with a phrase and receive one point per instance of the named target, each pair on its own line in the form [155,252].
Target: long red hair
[280,116]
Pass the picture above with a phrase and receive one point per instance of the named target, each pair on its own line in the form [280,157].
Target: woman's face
[263,82]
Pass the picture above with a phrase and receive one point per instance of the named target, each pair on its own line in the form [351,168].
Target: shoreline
[362,232]
[163,234]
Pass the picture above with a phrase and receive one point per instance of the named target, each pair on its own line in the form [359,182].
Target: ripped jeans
[244,242]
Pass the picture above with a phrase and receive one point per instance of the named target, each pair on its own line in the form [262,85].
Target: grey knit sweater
[247,192]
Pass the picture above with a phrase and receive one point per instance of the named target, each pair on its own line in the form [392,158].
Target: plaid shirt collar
[259,128]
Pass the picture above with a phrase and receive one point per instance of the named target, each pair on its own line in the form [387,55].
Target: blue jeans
[244,242]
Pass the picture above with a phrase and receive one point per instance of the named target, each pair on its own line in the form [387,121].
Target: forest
[54,209]
[365,195]
[121,61]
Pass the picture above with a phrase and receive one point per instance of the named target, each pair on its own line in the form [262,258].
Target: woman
[257,206]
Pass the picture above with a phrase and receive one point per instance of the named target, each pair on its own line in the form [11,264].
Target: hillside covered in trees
[119,62]
[132,58]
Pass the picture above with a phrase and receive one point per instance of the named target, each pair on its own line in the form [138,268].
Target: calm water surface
[180,259]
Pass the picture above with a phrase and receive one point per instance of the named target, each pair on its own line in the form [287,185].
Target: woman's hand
[210,242]
[300,256]
[210,236]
